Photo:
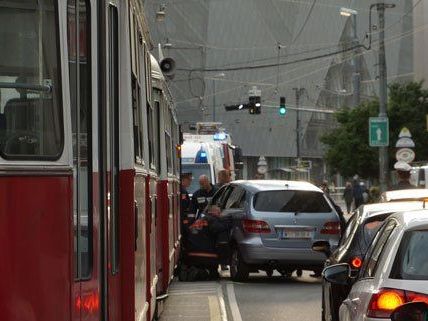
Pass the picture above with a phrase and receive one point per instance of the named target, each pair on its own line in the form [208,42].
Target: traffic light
[282,107]
[255,105]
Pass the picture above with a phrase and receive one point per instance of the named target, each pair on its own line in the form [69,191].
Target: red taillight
[255,226]
[331,228]
[356,262]
[383,303]
[416,297]
[89,302]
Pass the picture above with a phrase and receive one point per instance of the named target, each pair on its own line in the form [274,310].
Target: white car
[417,194]
[395,270]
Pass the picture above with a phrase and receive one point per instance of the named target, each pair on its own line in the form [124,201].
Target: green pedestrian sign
[378,131]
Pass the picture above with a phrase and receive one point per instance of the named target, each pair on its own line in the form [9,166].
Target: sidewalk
[194,301]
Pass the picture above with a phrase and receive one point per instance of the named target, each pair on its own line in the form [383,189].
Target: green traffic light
[282,107]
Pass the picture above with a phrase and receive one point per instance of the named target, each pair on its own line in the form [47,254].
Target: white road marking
[233,304]
[214,306]
[222,304]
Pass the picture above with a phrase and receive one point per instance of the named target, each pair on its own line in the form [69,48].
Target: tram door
[109,164]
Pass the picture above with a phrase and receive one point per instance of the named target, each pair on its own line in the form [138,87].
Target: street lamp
[160,14]
[215,77]
[356,78]
[346,12]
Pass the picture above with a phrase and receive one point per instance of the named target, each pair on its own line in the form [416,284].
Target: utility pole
[356,76]
[214,102]
[383,151]
[299,92]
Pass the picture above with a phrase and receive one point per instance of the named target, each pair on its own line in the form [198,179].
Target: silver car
[275,224]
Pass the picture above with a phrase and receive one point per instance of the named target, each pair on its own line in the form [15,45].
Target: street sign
[405,155]
[378,131]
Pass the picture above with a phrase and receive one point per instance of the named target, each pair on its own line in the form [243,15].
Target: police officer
[186,181]
[203,195]
[403,170]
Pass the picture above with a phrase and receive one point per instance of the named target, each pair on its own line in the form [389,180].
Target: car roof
[412,219]
[275,185]
[376,209]
[405,194]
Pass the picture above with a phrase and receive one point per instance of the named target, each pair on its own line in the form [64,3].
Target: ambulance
[207,154]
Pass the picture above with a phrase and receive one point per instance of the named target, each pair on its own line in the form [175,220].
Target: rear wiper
[34,87]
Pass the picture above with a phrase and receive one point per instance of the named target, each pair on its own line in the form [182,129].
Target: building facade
[307,44]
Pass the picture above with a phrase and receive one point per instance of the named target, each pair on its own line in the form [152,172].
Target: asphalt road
[273,299]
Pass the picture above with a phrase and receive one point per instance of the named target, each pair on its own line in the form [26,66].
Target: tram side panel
[36,237]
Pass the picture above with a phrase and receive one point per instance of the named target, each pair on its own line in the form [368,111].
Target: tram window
[168,152]
[138,128]
[113,134]
[31,124]
[150,113]
[168,138]
[156,129]
[81,117]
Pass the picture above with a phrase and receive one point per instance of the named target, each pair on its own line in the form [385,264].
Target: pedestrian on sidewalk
[357,192]
[348,196]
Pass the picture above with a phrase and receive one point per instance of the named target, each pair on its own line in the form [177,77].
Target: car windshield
[30,103]
[411,262]
[196,170]
[291,201]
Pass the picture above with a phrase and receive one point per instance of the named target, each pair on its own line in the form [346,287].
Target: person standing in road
[223,177]
[348,197]
[185,203]
[403,170]
[203,195]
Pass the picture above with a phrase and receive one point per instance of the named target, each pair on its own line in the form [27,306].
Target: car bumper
[254,252]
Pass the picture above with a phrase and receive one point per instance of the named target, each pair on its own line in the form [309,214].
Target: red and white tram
[89,217]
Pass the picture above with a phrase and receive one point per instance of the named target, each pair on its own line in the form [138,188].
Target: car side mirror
[416,311]
[339,274]
[323,247]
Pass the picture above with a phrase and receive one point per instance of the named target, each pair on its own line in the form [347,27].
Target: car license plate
[294,234]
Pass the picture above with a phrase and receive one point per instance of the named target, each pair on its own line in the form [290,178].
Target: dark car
[356,239]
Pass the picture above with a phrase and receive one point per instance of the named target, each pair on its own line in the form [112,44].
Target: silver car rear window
[411,262]
[291,201]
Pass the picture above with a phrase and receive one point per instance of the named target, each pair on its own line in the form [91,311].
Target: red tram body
[89,175]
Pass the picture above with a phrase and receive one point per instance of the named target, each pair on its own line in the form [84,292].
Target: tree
[348,150]
[408,107]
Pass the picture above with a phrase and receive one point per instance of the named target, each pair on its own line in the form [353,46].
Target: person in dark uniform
[403,170]
[185,204]
[203,195]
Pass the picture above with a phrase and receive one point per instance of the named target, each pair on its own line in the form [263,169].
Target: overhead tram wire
[305,22]
[330,54]
[388,41]
[304,59]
